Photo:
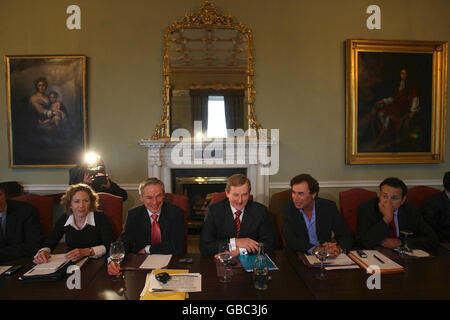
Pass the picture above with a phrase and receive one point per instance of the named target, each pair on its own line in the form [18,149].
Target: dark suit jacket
[371,229]
[328,219]
[220,226]
[137,233]
[23,231]
[436,212]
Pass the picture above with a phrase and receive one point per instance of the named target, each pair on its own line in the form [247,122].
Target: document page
[340,260]
[55,262]
[180,282]
[156,261]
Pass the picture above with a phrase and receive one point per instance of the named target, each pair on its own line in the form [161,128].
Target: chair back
[112,206]
[419,194]
[277,200]
[182,202]
[44,206]
[349,201]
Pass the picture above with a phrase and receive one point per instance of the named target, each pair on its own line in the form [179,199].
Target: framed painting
[395,101]
[46,103]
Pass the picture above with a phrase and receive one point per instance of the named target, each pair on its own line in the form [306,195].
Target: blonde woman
[88,232]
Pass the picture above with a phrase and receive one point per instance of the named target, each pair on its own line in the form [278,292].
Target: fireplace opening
[198,185]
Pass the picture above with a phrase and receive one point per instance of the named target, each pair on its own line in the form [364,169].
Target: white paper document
[4,268]
[178,282]
[156,261]
[416,253]
[55,262]
[342,261]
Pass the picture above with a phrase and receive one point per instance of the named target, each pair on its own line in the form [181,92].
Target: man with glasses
[380,220]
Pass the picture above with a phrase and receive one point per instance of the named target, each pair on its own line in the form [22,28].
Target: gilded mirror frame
[207,16]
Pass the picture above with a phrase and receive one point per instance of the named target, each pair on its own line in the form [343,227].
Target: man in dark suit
[380,220]
[436,211]
[308,220]
[242,222]
[20,230]
[157,227]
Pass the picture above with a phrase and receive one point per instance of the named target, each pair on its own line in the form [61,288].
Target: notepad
[375,258]
[55,262]
[4,268]
[342,261]
[248,260]
[147,295]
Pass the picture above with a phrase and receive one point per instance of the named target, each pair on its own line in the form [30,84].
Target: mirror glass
[208,75]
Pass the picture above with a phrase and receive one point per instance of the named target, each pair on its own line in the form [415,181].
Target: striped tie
[238,222]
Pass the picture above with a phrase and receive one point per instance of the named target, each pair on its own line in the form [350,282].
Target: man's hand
[247,243]
[88,178]
[333,248]
[391,243]
[386,210]
[114,269]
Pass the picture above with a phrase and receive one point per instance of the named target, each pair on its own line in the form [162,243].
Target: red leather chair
[419,194]
[44,206]
[277,200]
[349,201]
[182,202]
[112,206]
[219,196]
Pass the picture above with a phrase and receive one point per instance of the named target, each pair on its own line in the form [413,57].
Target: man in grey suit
[242,222]
[20,230]
[156,227]
[309,220]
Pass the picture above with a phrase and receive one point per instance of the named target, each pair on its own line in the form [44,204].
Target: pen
[378,259]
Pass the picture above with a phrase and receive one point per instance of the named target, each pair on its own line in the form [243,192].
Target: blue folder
[247,261]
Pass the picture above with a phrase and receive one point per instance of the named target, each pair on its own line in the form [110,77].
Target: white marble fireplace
[255,155]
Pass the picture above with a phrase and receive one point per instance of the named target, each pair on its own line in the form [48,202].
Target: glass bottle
[260,269]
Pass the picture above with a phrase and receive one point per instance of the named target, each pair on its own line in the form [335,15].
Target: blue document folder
[247,261]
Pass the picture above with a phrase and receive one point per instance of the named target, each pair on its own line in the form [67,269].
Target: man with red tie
[156,227]
[237,219]
[380,220]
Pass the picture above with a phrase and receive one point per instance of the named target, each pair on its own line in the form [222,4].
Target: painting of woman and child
[46,109]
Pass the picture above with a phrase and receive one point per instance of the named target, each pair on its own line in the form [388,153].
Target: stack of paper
[55,262]
[375,258]
[342,261]
[156,261]
[176,288]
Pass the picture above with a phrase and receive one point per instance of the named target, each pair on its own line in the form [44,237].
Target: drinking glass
[224,255]
[322,254]
[117,254]
[404,250]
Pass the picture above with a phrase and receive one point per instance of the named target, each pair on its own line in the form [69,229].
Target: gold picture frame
[395,101]
[46,104]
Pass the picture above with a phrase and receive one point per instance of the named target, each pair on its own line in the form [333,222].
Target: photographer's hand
[88,178]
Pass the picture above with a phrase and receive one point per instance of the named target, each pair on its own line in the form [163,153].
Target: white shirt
[233,240]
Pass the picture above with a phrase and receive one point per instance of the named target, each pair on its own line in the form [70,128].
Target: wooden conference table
[424,278]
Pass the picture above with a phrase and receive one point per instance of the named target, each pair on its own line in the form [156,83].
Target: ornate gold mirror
[208,75]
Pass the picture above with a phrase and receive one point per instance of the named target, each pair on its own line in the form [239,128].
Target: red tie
[394,234]
[156,232]
[237,221]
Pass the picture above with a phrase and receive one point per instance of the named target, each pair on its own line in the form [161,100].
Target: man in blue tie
[309,221]
[20,230]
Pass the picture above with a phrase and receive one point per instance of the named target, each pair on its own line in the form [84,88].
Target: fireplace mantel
[164,155]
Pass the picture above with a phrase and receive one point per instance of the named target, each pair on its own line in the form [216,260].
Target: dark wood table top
[284,285]
[424,278]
